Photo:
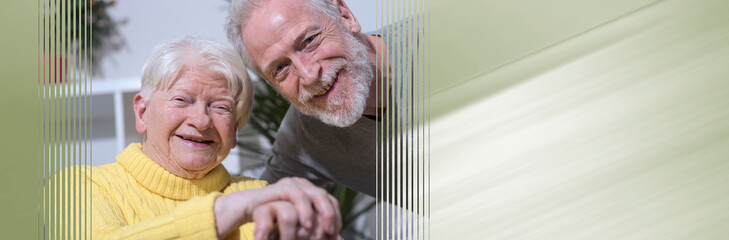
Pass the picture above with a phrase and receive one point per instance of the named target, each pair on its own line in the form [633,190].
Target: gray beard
[345,108]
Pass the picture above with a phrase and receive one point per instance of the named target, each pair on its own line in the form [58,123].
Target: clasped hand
[292,207]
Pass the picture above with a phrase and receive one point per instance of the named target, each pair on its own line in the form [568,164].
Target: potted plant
[78,31]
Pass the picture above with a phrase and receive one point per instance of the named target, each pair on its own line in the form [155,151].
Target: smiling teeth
[325,90]
[195,140]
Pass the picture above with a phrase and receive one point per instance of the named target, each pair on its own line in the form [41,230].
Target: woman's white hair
[170,58]
[240,13]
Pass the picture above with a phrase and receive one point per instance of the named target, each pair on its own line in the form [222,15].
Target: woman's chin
[192,174]
[197,167]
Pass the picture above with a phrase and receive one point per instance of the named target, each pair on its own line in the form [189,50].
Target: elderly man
[313,54]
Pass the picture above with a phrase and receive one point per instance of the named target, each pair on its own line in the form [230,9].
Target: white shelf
[101,87]
[117,88]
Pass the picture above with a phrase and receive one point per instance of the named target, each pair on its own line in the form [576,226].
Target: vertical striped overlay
[403,83]
[64,109]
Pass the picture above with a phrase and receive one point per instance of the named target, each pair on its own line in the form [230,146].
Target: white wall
[148,22]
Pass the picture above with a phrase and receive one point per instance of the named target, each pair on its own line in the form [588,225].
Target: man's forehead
[274,13]
[266,25]
[273,22]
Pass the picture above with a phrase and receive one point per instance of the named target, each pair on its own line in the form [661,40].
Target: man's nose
[199,117]
[308,70]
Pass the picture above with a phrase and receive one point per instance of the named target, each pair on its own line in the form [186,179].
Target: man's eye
[309,39]
[279,69]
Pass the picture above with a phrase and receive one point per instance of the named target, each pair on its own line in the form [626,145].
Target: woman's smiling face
[190,126]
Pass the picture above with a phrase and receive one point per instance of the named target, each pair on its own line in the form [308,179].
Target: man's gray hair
[240,13]
[170,59]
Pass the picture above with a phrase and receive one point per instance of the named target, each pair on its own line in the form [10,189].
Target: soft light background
[580,119]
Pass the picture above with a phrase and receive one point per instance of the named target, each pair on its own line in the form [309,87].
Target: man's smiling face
[312,60]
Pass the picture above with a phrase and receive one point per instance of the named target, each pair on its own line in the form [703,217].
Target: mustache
[326,79]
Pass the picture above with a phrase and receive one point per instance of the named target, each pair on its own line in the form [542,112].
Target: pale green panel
[621,132]
[474,37]
[18,80]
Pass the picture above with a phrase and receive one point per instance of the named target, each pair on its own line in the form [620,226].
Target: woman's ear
[347,17]
[237,128]
[235,141]
[140,108]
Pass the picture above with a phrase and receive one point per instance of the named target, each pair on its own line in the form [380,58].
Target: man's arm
[288,156]
[280,166]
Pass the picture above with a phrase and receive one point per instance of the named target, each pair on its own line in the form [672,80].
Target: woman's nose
[199,117]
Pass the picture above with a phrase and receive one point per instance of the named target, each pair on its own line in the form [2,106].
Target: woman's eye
[222,108]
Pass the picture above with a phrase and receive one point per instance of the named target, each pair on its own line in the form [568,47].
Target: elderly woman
[195,95]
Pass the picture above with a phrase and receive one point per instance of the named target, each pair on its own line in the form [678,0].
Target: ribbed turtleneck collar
[158,180]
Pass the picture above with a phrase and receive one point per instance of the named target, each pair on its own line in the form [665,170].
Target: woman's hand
[315,211]
[279,220]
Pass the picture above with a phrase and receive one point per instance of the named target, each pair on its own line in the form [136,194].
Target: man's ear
[347,17]
[140,108]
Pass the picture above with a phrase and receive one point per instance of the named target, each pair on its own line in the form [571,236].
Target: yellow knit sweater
[134,198]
